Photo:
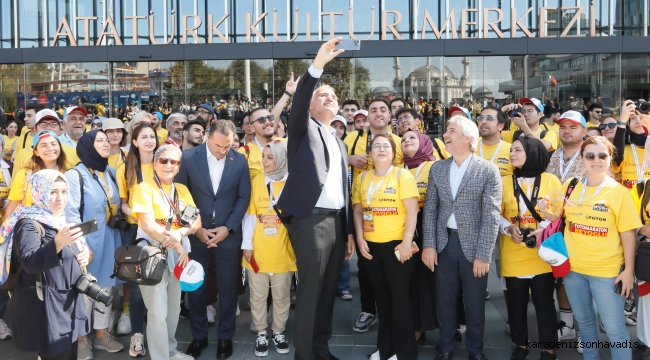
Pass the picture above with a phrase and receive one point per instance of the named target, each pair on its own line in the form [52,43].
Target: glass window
[363,19]
[6,23]
[284,15]
[218,9]
[341,21]
[635,78]
[29,14]
[11,78]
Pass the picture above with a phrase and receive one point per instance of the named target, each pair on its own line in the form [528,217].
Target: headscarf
[424,152]
[279,149]
[537,158]
[88,154]
[41,185]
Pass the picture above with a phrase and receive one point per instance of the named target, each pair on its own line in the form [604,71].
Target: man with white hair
[74,125]
[457,243]
[175,124]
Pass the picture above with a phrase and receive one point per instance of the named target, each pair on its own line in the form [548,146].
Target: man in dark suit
[316,208]
[219,181]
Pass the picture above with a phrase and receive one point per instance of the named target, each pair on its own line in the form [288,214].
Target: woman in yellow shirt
[418,158]
[47,155]
[601,220]
[524,272]
[629,141]
[10,138]
[268,254]
[117,135]
[385,204]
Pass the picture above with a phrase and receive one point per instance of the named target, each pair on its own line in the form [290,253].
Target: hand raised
[326,53]
[292,84]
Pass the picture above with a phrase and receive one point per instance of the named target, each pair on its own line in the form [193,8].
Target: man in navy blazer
[315,206]
[219,181]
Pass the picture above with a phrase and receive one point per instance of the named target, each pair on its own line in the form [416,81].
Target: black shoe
[545,355]
[444,356]
[185,312]
[331,357]
[480,357]
[519,353]
[641,353]
[224,349]
[196,347]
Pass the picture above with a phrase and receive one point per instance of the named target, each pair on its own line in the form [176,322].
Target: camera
[189,215]
[117,222]
[515,112]
[643,107]
[530,241]
[87,285]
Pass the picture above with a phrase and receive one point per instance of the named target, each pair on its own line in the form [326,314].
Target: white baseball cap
[46,114]
[360,112]
[574,117]
[533,101]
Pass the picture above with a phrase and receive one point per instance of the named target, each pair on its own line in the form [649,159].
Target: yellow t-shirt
[116,160]
[518,259]
[4,192]
[100,109]
[360,148]
[147,199]
[24,140]
[422,180]
[550,136]
[162,135]
[441,145]
[254,156]
[120,176]
[592,229]
[18,192]
[387,211]
[9,142]
[273,252]
[89,127]
[24,156]
[501,160]
[627,168]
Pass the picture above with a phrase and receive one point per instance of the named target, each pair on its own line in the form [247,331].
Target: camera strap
[172,204]
[275,208]
[108,198]
[530,204]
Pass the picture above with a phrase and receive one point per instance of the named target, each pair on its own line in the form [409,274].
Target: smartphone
[352,45]
[618,288]
[254,265]
[414,250]
[87,227]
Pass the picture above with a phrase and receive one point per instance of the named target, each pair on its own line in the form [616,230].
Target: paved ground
[347,344]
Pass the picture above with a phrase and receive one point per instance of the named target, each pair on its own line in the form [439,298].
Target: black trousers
[541,289]
[66,355]
[391,282]
[367,296]
[319,242]
[454,274]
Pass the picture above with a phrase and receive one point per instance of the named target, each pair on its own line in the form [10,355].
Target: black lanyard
[108,199]
[530,204]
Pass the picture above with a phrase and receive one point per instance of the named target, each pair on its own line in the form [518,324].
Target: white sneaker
[180,356]
[238,311]
[566,333]
[394,357]
[5,331]
[111,321]
[212,314]
[579,347]
[136,348]
[124,325]
[375,356]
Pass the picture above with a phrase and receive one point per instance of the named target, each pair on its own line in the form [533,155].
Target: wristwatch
[231,231]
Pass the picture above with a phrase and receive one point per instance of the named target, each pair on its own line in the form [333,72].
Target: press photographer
[167,215]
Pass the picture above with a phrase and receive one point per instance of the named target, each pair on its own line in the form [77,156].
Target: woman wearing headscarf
[418,158]
[629,141]
[51,325]
[94,195]
[525,273]
[268,255]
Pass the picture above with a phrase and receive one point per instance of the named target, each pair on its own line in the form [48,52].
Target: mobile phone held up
[351,45]
[87,227]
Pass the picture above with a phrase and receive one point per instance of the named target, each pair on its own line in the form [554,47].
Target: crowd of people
[289,204]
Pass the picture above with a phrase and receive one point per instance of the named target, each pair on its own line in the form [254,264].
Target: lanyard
[417,172]
[564,172]
[172,204]
[496,152]
[106,193]
[371,190]
[639,172]
[530,204]
[273,200]
[584,189]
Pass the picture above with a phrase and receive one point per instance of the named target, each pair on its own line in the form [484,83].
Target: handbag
[140,265]
[557,226]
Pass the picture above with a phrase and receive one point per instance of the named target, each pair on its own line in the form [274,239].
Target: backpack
[14,270]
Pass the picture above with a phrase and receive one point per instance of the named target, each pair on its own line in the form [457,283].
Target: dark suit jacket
[230,202]
[307,160]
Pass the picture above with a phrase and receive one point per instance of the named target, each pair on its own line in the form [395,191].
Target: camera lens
[531,242]
[644,108]
[98,293]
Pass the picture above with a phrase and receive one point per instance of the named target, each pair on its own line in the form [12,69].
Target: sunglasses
[164,161]
[485,118]
[592,156]
[263,119]
[604,126]
[146,123]
[97,124]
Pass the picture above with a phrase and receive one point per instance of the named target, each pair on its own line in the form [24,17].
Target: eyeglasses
[592,156]
[164,161]
[97,125]
[404,118]
[485,118]
[381,146]
[604,126]
[203,112]
[263,119]
[45,125]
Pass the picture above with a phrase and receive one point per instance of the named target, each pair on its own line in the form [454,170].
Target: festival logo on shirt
[503,161]
[526,219]
[600,207]
[588,230]
[390,190]
[263,219]
[422,185]
[384,211]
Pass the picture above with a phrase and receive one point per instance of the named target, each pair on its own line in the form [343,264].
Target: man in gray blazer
[461,220]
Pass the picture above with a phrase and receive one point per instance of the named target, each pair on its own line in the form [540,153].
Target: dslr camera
[642,106]
[87,285]
[516,112]
[530,241]
[117,222]
[189,215]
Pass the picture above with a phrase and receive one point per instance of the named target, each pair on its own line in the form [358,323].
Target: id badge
[368,221]
[270,225]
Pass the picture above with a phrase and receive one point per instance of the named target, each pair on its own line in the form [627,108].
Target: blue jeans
[344,278]
[583,292]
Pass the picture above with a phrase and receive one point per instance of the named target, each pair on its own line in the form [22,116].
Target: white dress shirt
[331,196]
[215,166]
[456,174]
